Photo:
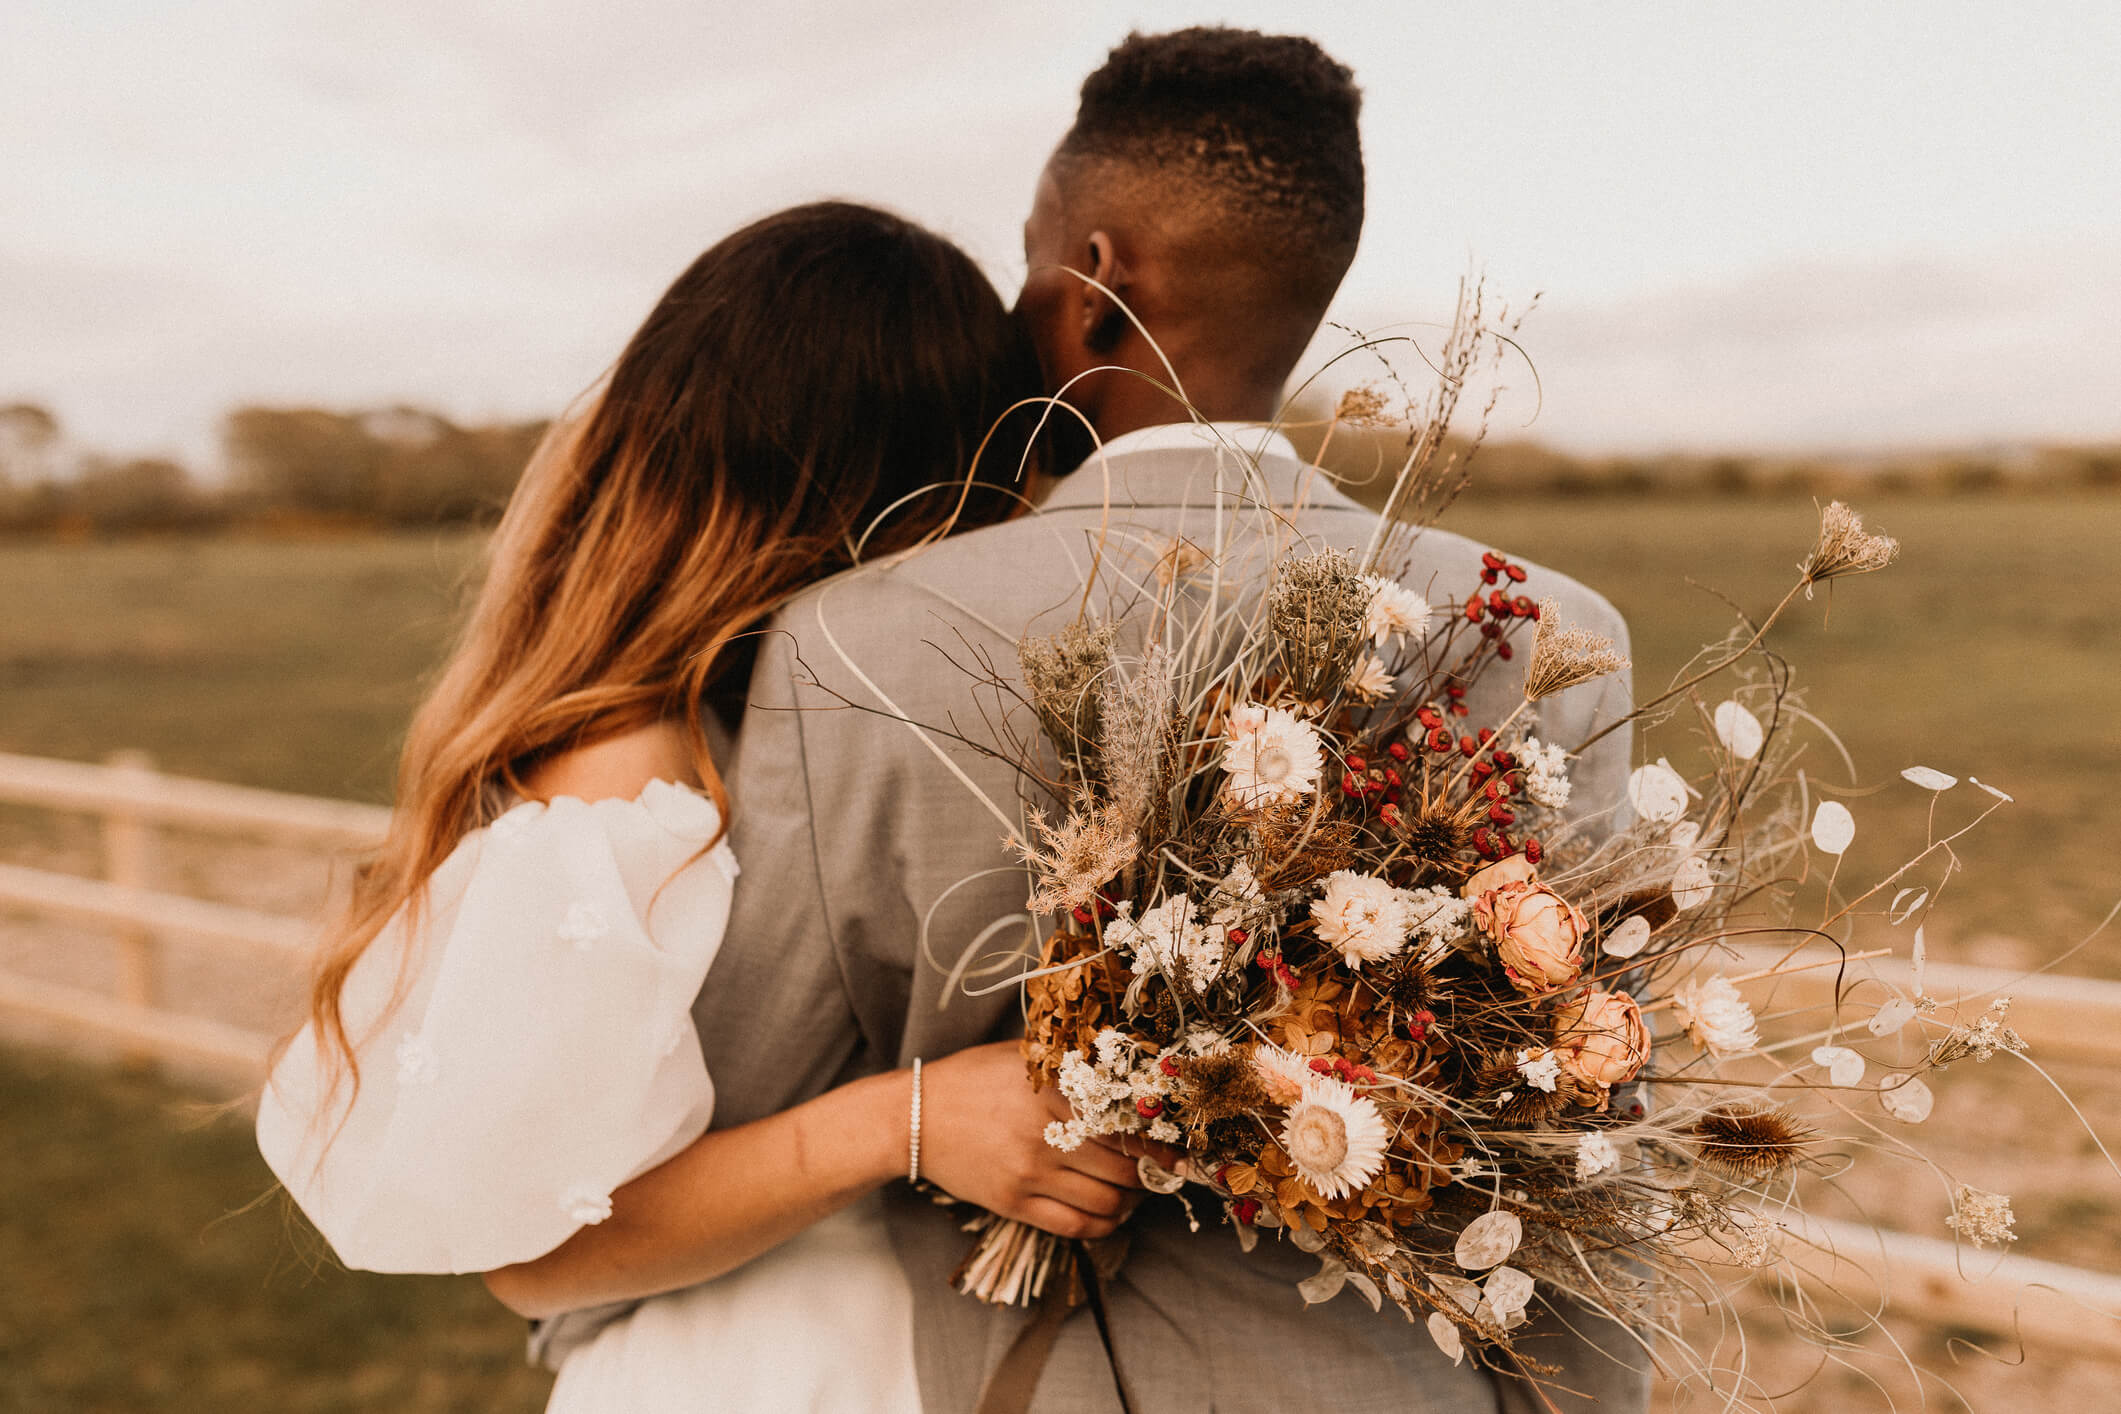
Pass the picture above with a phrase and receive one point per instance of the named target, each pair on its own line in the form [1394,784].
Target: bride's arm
[734,1194]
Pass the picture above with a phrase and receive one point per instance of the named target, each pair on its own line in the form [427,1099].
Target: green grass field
[137,1277]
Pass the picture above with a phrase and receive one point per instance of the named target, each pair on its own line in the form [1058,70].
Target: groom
[1213,182]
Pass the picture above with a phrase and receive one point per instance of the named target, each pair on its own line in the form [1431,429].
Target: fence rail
[2045,1302]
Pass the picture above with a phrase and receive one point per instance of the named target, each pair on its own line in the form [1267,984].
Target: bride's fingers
[1097,1161]
[1063,1221]
[1090,1195]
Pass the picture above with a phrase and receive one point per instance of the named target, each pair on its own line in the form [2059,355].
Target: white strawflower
[1595,1155]
[1270,756]
[1364,917]
[1335,1138]
[1394,609]
[1541,1069]
[1546,773]
[1369,681]
[1715,1015]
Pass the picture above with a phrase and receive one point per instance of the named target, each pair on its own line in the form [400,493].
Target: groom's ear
[1104,323]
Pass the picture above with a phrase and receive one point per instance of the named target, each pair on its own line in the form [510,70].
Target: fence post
[128,861]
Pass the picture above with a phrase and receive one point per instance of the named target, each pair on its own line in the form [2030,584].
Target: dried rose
[1538,935]
[1600,1037]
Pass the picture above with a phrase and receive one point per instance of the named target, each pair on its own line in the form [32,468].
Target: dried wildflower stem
[1783,970]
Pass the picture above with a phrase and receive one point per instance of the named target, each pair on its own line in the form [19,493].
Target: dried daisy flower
[1750,1142]
[1395,611]
[1271,758]
[1364,918]
[1073,860]
[1982,1217]
[1061,673]
[1714,1015]
[1318,613]
[1335,1138]
[1566,657]
[1369,681]
[1845,548]
[1364,407]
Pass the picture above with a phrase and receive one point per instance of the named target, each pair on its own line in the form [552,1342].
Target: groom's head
[1213,181]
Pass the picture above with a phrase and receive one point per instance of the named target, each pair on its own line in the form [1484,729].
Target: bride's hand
[983,1140]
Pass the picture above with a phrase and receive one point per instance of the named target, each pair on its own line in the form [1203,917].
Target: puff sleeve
[540,1051]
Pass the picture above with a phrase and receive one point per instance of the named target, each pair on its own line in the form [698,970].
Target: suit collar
[1186,463]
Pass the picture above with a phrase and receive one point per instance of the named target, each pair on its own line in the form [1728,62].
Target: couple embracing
[653,1000]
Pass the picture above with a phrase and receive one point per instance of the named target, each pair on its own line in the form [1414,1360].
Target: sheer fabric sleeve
[540,1051]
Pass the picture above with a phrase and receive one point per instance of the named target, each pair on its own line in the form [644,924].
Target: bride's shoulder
[617,767]
[638,787]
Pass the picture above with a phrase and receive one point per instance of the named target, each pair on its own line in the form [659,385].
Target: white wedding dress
[540,1054]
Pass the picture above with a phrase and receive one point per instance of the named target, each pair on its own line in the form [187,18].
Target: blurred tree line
[389,466]
[291,467]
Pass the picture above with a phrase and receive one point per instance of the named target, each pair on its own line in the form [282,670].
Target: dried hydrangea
[1060,674]
[1169,940]
[1982,1217]
[1541,1069]
[1318,612]
[1595,1154]
[1546,773]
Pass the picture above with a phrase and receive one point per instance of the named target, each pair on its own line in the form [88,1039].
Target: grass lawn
[137,1279]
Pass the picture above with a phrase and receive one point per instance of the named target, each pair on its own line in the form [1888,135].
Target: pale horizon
[1792,228]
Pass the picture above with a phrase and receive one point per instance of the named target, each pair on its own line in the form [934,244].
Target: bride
[499,1072]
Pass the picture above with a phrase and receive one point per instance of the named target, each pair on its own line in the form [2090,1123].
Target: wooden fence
[133,802]
[2047,1303]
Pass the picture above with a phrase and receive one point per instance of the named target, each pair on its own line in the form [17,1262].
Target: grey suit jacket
[861,836]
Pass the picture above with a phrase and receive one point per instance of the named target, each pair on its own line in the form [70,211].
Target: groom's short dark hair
[1260,127]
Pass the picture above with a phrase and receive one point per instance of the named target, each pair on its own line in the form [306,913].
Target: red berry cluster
[1498,610]
[1377,784]
[1281,971]
[1418,1028]
[1341,1068]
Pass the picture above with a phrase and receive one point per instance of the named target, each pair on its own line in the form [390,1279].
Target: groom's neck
[1130,404]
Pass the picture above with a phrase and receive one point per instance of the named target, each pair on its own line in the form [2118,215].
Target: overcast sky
[1755,226]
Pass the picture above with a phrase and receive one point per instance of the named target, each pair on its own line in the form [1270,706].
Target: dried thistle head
[1220,1087]
[1061,673]
[1318,612]
[1750,1142]
[1364,407]
[1567,656]
[1845,547]
[1074,859]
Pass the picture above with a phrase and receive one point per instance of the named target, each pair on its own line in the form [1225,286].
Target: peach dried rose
[1515,870]
[1538,935]
[1600,1037]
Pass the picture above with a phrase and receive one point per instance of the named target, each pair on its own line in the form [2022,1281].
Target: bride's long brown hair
[791,394]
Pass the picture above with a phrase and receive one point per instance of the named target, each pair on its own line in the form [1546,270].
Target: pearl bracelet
[913,1155]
